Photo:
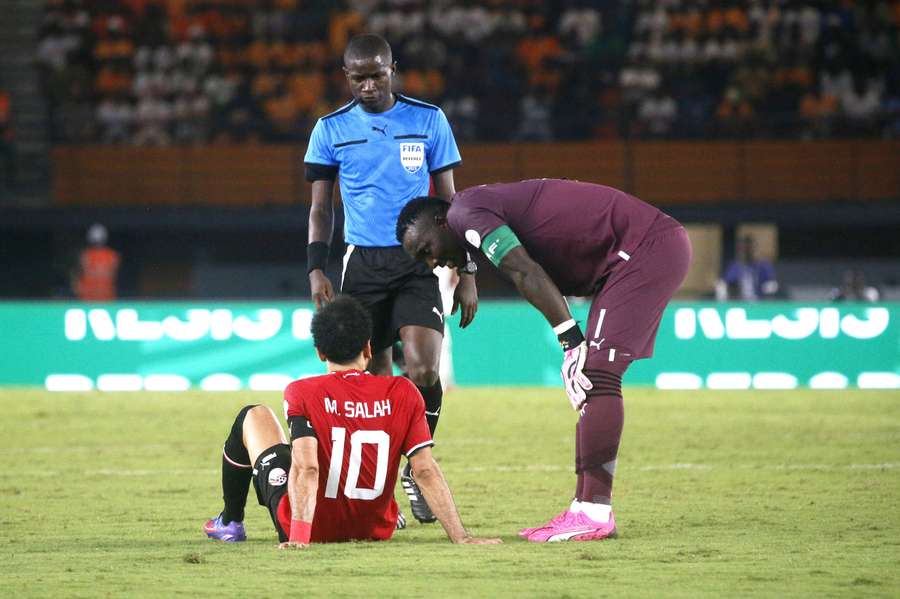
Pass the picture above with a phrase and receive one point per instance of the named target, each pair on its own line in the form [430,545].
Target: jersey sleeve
[320,161]
[294,404]
[417,433]
[296,412]
[443,153]
[473,219]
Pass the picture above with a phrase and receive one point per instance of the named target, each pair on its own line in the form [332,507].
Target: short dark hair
[367,45]
[415,208]
[341,329]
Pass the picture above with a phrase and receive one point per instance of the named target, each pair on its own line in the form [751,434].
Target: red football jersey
[363,423]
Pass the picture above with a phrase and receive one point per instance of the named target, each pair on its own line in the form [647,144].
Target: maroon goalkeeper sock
[601,429]
[579,475]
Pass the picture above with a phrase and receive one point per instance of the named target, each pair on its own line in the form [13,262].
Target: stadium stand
[183,122]
[155,72]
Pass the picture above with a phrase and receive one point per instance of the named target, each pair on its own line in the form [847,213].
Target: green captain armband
[498,243]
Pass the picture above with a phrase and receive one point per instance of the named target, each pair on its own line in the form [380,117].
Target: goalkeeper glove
[573,344]
[574,379]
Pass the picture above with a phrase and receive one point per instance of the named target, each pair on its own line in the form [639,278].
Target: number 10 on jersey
[379,439]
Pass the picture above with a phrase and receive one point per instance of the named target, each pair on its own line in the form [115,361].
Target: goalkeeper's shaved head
[368,47]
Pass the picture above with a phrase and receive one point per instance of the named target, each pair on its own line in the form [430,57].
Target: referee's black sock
[434,397]
[236,471]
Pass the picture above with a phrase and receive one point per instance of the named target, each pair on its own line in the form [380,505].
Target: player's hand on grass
[292,545]
[465,296]
[322,290]
[574,379]
[467,540]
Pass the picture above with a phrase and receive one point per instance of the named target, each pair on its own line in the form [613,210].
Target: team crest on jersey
[412,156]
[277,477]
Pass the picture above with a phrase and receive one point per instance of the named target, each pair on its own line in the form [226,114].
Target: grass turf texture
[718,494]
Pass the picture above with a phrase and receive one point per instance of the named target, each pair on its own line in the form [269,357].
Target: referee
[386,148]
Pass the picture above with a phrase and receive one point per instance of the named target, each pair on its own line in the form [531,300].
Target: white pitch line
[681,466]
[126,472]
[85,448]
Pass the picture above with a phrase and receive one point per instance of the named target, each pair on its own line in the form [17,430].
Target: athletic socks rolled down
[434,397]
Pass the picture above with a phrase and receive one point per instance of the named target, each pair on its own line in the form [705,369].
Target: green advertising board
[262,346]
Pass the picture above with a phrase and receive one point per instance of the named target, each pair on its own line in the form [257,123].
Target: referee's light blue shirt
[384,160]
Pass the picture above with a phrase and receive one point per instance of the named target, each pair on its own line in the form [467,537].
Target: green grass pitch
[718,494]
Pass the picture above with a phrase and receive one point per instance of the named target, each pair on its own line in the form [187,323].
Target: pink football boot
[578,527]
[555,521]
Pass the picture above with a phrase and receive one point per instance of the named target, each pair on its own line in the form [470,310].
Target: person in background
[747,277]
[385,148]
[854,288]
[583,240]
[335,480]
[98,266]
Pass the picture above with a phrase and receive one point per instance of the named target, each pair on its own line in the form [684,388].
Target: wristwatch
[469,269]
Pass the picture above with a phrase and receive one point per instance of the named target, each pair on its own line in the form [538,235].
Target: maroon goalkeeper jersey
[576,231]
[363,424]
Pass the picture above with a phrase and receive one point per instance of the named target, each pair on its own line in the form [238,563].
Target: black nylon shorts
[397,290]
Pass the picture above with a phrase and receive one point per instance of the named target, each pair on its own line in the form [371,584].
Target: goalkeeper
[555,238]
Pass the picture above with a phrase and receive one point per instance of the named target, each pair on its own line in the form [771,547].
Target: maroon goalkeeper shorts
[625,314]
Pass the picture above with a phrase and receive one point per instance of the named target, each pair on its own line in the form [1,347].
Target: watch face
[471,268]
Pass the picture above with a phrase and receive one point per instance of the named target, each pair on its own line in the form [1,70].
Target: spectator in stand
[115,118]
[861,106]
[153,119]
[582,22]
[98,267]
[657,114]
[818,111]
[853,288]
[479,55]
[191,114]
[534,109]
[638,79]
[735,114]
[748,277]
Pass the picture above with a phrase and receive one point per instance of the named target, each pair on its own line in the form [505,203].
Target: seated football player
[555,238]
[334,481]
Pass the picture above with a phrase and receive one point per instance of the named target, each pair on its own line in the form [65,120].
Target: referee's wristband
[316,256]
[300,532]
[568,334]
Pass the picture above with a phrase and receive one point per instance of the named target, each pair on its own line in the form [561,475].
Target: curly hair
[341,329]
[416,207]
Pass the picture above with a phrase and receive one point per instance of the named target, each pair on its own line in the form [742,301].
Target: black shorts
[270,477]
[397,290]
